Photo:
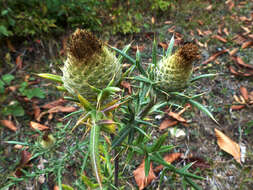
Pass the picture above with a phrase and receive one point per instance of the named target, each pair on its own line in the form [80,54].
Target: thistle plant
[90,73]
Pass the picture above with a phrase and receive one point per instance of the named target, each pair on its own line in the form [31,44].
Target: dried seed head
[189,52]
[83,44]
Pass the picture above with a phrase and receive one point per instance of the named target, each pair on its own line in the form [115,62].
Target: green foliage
[4,81]
[14,109]
[31,92]
[35,18]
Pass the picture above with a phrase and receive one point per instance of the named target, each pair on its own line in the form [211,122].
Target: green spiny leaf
[204,109]
[94,153]
[56,78]
[170,48]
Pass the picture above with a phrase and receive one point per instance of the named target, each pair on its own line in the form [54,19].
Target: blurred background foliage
[24,18]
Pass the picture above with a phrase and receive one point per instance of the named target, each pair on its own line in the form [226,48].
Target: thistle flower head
[173,72]
[89,63]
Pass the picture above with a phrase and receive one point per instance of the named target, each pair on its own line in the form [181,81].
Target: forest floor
[223,33]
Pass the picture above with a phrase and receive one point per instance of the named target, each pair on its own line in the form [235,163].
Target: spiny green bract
[89,62]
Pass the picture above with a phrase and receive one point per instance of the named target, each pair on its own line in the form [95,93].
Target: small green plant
[123,126]
[15,107]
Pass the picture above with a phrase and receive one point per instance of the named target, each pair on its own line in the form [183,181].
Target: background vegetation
[37,18]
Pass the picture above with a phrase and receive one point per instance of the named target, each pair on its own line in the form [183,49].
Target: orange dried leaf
[19,61]
[169,158]
[244,93]
[225,30]
[140,178]
[126,85]
[247,30]
[55,103]
[36,111]
[247,44]
[214,56]
[62,109]
[228,145]
[232,52]
[233,71]
[25,157]
[220,38]
[237,107]
[9,124]
[176,116]
[240,62]
[167,123]
[200,33]
[163,45]
[38,126]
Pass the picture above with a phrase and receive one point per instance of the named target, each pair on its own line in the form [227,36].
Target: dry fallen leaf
[167,123]
[233,52]
[55,103]
[38,126]
[214,56]
[163,45]
[237,107]
[244,93]
[66,109]
[220,38]
[169,158]
[239,73]
[126,85]
[19,61]
[24,163]
[247,44]
[176,116]
[9,124]
[240,62]
[140,178]
[228,145]
[36,111]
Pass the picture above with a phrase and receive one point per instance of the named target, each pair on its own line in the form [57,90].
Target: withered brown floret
[189,52]
[83,44]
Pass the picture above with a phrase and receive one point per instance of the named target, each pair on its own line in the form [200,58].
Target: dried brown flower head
[83,44]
